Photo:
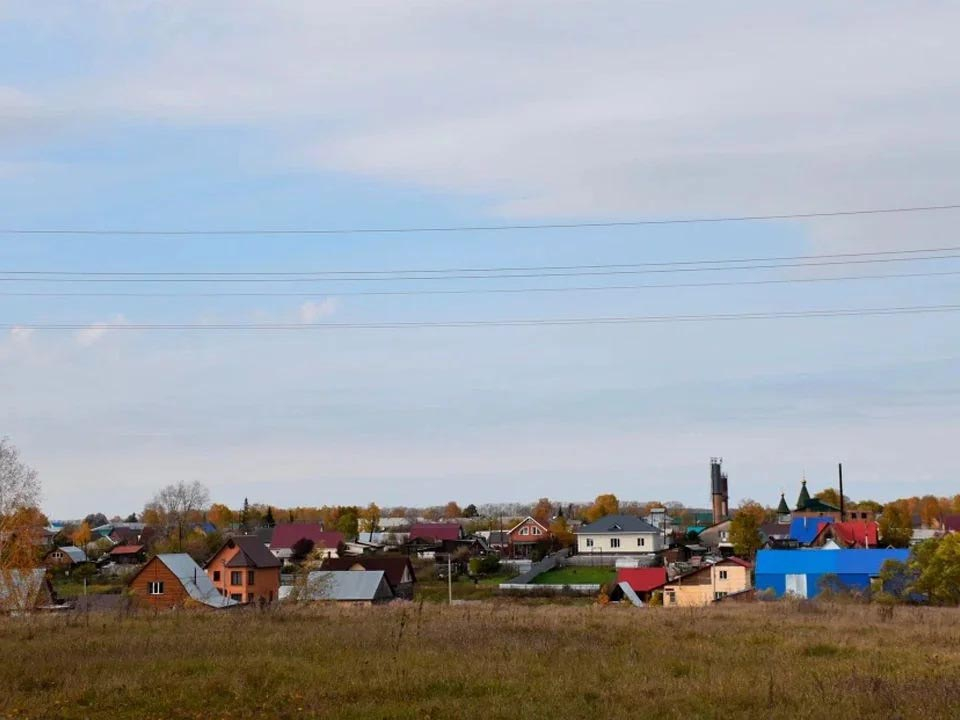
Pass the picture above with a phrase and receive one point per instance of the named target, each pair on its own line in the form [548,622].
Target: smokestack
[717,489]
[843,516]
[726,497]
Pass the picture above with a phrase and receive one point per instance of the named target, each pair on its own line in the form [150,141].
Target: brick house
[244,570]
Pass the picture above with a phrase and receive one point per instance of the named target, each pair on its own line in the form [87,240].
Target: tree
[220,515]
[19,497]
[452,511]
[470,511]
[868,505]
[896,527]
[175,504]
[562,536]
[937,562]
[370,516]
[81,536]
[131,518]
[96,520]
[542,511]
[830,496]
[268,520]
[745,529]
[301,549]
[348,521]
[603,505]
[245,515]
[929,511]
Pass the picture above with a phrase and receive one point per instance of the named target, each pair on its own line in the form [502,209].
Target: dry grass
[486,661]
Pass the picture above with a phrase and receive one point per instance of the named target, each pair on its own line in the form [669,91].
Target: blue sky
[370,114]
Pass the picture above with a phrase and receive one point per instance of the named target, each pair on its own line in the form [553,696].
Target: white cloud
[93,334]
[21,336]
[311,311]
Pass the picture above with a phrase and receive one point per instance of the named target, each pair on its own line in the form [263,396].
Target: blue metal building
[799,572]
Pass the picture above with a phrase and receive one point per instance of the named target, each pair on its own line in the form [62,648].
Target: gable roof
[806,529]
[436,531]
[529,518]
[643,579]
[618,523]
[348,585]
[392,567]
[775,529]
[251,553]
[856,533]
[288,535]
[195,581]
[75,554]
[265,535]
[126,550]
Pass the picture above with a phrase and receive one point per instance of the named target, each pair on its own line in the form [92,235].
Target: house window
[216,576]
[155,587]
[537,531]
[236,577]
[58,555]
[614,542]
[671,597]
[723,574]
[236,596]
[719,595]
[641,542]
[524,531]
[589,542]
[249,577]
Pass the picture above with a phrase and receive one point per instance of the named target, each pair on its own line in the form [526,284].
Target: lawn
[488,661]
[574,575]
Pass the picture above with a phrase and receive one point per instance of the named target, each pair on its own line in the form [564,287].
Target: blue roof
[820,562]
[805,529]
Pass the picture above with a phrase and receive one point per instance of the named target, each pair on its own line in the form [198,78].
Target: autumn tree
[937,564]
[603,505]
[81,536]
[830,496]
[221,516]
[560,530]
[19,489]
[896,526]
[370,519]
[542,511]
[452,511]
[745,529]
[470,511]
[929,511]
[398,512]
[176,504]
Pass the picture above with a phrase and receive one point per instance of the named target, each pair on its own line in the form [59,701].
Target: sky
[240,115]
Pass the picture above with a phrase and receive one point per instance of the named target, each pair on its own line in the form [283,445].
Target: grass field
[494,660]
[573,575]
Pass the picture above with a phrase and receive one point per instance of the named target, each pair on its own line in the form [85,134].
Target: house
[643,581]
[524,537]
[618,535]
[128,554]
[951,523]
[717,537]
[497,540]
[363,587]
[708,583]
[173,580]
[244,570]
[398,571]
[286,537]
[25,590]
[126,535]
[850,534]
[774,533]
[432,533]
[805,529]
[800,572]
[64,557]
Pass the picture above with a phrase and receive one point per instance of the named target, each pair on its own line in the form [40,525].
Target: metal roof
[356,585]
[194,580]
[618,523]
[74,553]
[805,529]
[819,562]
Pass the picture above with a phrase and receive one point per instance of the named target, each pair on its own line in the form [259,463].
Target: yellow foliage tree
[82,535]
[603,505]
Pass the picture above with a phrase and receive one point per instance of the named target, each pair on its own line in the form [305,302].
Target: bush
[484,565]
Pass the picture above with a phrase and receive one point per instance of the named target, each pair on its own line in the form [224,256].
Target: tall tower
[719,491]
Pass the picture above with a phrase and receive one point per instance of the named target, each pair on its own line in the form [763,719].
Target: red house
[526,535]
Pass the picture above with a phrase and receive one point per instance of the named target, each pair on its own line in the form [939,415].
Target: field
[489,660]
[574,575]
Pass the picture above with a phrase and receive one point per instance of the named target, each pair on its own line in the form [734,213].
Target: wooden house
[175,580]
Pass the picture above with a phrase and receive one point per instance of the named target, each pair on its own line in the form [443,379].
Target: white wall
[629,543]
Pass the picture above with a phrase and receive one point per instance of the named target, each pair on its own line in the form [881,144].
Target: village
[604,552]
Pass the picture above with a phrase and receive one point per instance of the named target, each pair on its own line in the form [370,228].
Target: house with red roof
[431,533]
[128,554]
[524,537]
[643,580]
[289,538]
[709,583]
[849,534]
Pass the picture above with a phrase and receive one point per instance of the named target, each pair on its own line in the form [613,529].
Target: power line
[487,291]
[538,322]
[501,269]
[473,276]
[483,228]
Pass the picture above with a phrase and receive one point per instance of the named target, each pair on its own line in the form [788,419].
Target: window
[537,531]
[614,542]
[216,576]
[155,587]
[236,577]
[589,542]
[671,597]
[236,596]
[641,542]
[719,595]
[249,577]
[723,574]
[58,555]
[524,531]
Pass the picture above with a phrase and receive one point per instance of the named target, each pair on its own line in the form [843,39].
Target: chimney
[843,515]
[717,489]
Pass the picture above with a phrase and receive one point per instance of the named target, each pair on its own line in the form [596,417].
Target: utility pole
[449,580]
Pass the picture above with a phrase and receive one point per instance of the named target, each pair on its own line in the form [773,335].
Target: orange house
[244,570]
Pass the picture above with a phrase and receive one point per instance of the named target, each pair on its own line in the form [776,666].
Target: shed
[361,586]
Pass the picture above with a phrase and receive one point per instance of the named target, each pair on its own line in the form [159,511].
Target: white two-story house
[619,535]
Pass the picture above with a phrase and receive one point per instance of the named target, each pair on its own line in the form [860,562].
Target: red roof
[127,550]
[643,579]
[951,523]
[435,531]
[856,533]
[286,536]
[736,561]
